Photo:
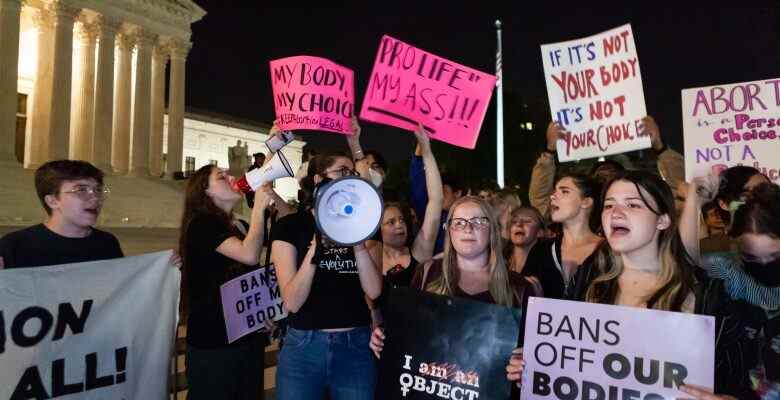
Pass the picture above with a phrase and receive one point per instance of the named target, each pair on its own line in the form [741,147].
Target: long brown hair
[677,271]
[499,275]
[196,202]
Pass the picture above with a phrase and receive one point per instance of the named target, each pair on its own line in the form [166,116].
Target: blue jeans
[312,363]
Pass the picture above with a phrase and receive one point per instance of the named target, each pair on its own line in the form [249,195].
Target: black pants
[232,372]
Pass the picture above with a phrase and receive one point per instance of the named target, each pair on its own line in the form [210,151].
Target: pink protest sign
[592,351]
[250,300]
[409,85]
[313,93]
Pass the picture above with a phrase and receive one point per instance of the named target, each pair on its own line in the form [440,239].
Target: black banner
[440,347]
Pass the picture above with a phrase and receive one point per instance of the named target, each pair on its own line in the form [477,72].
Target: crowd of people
[609,235]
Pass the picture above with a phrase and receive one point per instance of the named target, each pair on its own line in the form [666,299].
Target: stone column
[179,52]
[10,14]
[62,63]
[120,144]
[83,99]
[104,94]
[50,125]
[139,162]
[159,59]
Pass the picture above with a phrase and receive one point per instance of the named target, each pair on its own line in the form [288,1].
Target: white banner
[728,125]
[595,90]
[576,350]
[95,330]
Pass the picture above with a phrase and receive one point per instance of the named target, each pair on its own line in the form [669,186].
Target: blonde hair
[499,274]
[676,273]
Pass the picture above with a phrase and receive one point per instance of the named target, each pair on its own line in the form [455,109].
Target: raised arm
[247,251]
[422,249]
[700,191]
[543,173]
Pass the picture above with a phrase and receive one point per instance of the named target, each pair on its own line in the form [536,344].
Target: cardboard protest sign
[728,125]
[595,90]
[313,93]
[439,347]
[249,300]
[410,86]
[95,330]
[596,351]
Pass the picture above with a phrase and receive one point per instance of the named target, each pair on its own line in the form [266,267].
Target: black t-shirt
[541,263]
[206,271]
[336,299]
[37,246]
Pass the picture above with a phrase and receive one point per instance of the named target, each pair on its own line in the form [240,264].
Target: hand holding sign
[700,393]
[595,90]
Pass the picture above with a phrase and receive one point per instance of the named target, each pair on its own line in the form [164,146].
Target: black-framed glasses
[84,192]
[476,223]
[343,171]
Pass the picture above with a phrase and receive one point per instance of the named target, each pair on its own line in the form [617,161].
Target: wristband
[661,150]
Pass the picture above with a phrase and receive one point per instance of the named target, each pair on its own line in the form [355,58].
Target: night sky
[228,73]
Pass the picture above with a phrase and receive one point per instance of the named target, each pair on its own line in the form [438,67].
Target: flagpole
[499,112]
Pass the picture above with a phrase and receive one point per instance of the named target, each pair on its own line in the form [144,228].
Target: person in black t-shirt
[72,194]
[324,289]
[215,249]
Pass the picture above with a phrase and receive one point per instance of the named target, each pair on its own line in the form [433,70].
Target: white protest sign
[728,125]
[95,330]
[595,90]
[576,350]
[249,300]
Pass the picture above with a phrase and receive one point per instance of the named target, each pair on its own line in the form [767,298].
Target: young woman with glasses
[324,289]
[473,265]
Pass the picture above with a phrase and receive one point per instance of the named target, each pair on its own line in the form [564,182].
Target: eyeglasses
[343,171]
[85,192]
[476,223]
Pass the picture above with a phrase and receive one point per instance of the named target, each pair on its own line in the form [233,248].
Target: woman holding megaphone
[323,286]
[216,247]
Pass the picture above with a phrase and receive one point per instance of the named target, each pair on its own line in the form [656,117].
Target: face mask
[765,274]
[376,177]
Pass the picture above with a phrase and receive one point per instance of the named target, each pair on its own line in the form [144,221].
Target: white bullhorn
[277,167]
[348,210]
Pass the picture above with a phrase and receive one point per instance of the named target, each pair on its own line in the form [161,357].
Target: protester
[486,190]
[72,193]
[503,202]
[473,265]
[526,228]
[399,261]
[215,247]
[736,183]
[646,264]
[670,164]
[555,262]
[323,287]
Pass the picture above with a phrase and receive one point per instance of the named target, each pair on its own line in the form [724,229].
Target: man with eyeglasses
[72,193]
